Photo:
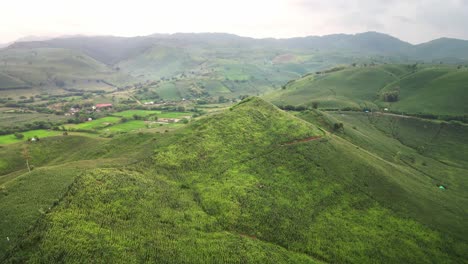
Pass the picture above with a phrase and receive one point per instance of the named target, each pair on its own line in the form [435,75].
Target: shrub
[338,126]
[392,96]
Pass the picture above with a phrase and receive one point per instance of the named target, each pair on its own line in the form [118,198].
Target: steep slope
[252,184]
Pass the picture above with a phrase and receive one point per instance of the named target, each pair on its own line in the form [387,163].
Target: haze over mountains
[209,64]
[111,49]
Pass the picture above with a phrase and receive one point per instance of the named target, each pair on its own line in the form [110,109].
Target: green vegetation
[437,91]
[176,172]
[8,139]
[354,87]
[52,70]
[95,124]
[412,89]
[132,113]
[255,184]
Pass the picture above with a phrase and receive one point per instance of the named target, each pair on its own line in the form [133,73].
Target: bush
[19,135]
[391,96]
[338,126]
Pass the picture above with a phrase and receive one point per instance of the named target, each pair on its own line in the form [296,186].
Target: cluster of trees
[391,96]
[338,127]
[147,94]
[293,108]
[60,83]
[334,69]
[30,126]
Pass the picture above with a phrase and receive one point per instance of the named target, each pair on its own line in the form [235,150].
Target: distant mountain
[52,70]
[111,50]
[443,48]
[224,64]
[369,42]
[35,38]
[108,50]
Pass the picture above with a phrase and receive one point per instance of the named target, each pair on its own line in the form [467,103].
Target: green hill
[53,70]
[193,62]
[57,161]
[424,89]
[253,184]
[455,50]
[433,90]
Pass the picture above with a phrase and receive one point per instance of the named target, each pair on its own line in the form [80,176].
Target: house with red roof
[103,106]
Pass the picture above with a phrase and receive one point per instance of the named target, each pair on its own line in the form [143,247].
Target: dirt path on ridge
[302,140]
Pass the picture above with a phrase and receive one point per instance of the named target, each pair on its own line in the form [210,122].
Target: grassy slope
[352,87]
[24,197]
[8,120]
[8,139]
[227,189]
[438,90]
[40,67]
[433,152]
[9,82]
[159,61]
[442,91]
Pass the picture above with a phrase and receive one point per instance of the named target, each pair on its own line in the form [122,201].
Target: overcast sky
[414,21]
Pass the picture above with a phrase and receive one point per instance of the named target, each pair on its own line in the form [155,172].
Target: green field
[131,113]
[113,124]
[128,126]
[95,124]
[8,120]
[8,139]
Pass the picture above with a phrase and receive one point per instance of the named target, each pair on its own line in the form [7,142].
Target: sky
[415,21]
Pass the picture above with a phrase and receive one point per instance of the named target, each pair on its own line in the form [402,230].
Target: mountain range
[111,49]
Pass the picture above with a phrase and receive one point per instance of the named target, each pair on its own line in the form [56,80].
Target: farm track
[302,140]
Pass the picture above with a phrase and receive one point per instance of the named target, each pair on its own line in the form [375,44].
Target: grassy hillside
[51,70]
[159,61]
[423,89]
[434,90]
[356,87]
[252,184]
[57,161]
[444,48]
